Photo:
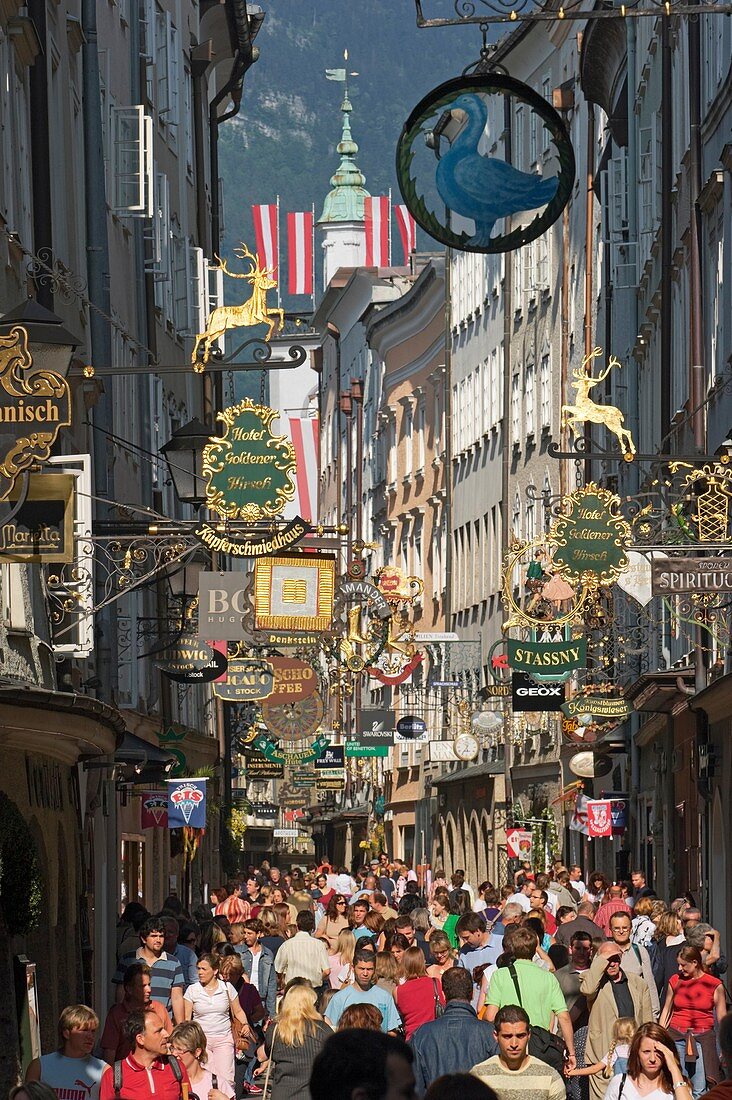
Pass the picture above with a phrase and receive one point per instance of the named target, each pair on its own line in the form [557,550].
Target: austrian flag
[300,252]
[407,230]
[267,236]
[377,211]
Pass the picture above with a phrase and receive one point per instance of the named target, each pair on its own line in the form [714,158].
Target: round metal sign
[295,720]
[587,765]
[410,726]
[471,181]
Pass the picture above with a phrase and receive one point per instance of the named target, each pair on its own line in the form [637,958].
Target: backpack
[548,1048]
[172,1062]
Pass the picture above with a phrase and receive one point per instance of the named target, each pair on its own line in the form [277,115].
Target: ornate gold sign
[294,593]
[587,411]
[252,311]
[34,406]
[590,537]
[249,469]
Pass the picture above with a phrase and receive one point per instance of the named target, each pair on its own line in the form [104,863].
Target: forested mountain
[283,141]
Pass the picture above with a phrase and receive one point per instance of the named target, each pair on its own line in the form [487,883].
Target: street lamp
[184,454]
[184,578]
[51,345]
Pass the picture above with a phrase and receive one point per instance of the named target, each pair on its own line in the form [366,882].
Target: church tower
[342,224]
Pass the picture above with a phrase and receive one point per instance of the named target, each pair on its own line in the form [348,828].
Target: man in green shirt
[539,992]
[513,1073]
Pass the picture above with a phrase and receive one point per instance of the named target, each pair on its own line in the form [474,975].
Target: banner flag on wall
[187,803]
[154,810]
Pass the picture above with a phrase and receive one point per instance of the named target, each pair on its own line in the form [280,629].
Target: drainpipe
[696,305]
[100,345]
[589,206]
[506,440]
[40,153]
[666,224]
[632,412]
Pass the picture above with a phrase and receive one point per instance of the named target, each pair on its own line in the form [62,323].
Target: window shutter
[132,175]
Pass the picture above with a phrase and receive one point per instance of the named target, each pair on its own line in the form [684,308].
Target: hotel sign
[590,537]
[249,469]
[43,529]
[34,406]
[670,576]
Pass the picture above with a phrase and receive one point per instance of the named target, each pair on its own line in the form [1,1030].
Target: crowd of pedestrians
[320,984]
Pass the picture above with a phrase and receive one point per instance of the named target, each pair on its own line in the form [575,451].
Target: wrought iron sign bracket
[504,11]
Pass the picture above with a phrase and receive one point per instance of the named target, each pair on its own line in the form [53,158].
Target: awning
[464,775]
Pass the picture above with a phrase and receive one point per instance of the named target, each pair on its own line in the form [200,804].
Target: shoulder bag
[439,1007]
[548,1048]
[270,1063]
[172,1062]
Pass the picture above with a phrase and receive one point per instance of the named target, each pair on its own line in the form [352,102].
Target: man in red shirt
[613,904]
[234,908]
[147,1071]
[136,984]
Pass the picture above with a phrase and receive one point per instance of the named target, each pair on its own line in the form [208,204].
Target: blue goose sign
[472,181]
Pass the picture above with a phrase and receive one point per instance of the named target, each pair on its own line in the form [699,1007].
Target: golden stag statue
[585,409]
[253,311]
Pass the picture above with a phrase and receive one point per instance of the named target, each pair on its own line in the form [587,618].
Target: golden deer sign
[586,410]
[253,311]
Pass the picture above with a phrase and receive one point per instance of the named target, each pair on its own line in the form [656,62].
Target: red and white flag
[377,212]
[305,436]
[599,817]
[407,227]
[267,236]
[300,253]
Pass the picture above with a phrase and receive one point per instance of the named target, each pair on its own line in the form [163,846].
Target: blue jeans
[693,1070]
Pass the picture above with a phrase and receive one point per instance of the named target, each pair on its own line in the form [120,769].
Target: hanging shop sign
[618,810]
[294,594]
[221,541]
[43,528]
[589,765]
[599,817]
[294,801]
[222,603]
[265,810]
[590,537]
[376,734]
[556,658]
[355,748]
[262,743]
[676,575]
[353,591]
[154,810]
[330,784]
[587,411]
[527,695]
[396,586]
[331,756]
[495,691]
[442,752]
[187,803]
[410,727]
[519,844]
[637,580]
[603,707]
[249,470]
[34,405]
[294,720]
[386,672]
[259,767]
[246,678]
[462,183]
[193,662]
[293,679]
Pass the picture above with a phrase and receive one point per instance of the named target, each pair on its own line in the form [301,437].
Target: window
[420,434]
[533,124]
[188,120]
[529,400]
[545,391]
[518,279]
[517,516]
[417,541]
[132,163]
[494,390]
[542,246]
[546,91]
[517,146]
[407,422]
[530,521]
[515,410]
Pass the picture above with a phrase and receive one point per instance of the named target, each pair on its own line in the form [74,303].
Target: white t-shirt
[204,1084]
[254,976]
[630,1092]
[212,1012]
[520,899]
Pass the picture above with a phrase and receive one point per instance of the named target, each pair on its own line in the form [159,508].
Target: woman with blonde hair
[188,1044]
[443,953]
[341,961]
[274,936]
[387,972]
[293,1041]
[642,926]
[420,998]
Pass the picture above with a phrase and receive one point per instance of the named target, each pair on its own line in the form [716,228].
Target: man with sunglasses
[618,995]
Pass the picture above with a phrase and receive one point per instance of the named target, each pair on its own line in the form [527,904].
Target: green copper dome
[345,202]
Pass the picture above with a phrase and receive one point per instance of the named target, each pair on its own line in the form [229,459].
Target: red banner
[376,216]
[154,810]
[599,817]
[400,677]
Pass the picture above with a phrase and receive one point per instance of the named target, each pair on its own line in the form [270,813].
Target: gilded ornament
[585,410]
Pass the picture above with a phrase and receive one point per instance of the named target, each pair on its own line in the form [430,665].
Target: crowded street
[365,549]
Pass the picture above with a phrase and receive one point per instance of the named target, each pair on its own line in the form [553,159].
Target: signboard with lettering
[259,767]
[519,843]
[672,575]
[249,470]
[528,696]
[43,529]
[598,706]
[193,662]
[226,542]
[294,593]
[590,537]
[293,679]
[35,403]
[353,748]
[557,659]
[332,756]
[246,678]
